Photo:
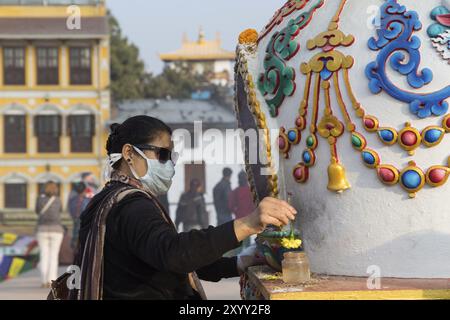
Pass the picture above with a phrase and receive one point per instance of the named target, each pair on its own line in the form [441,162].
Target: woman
[49,232]
[129,247]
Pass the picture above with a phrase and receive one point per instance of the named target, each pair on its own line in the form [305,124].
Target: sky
[157,26]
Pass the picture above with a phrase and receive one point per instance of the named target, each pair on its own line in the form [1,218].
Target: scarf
[90,253]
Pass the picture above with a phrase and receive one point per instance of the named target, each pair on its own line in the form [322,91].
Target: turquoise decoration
[411,179]
[395,41]
[387,135]
[439,32]
[433,135]
[278,80]
[437,29]
[292,136]
[368,158]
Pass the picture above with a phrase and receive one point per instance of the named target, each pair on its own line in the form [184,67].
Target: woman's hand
[270,211]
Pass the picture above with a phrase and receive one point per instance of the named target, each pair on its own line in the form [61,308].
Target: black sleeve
[157,243]
[222,268]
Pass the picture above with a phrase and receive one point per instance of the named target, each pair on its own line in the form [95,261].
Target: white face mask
[158,178]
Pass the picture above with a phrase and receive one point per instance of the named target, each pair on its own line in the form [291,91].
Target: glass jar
[295,268]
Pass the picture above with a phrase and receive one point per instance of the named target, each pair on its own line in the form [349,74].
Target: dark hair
[227,172]
[135,130]
[242,178]
[50,188]
[79,187]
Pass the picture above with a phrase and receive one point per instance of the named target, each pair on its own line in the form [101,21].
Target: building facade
[54,97]
[204,57]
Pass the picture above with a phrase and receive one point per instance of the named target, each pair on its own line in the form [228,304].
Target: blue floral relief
[395,44]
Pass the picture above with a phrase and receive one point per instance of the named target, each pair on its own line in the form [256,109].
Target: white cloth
[49,246]
[113,158]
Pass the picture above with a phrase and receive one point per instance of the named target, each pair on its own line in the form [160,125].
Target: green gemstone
[356,141]
[310,141]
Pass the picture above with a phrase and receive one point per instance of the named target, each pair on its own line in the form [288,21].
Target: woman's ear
[127,153]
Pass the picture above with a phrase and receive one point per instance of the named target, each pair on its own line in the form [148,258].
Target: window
[80,66]
[14,65]
[48,131]
[15,135]
[47,66]
[16,195]
[194,171]
[81,129]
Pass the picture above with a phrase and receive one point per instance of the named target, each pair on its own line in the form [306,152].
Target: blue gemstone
[411,179]
[292,135]
[326,74]
[306,157]
[386,135]
[433,135]
[368,158]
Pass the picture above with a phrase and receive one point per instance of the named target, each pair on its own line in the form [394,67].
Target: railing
[9,217]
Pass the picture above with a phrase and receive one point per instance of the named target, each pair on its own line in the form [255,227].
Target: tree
[127,69]
[177,82]
[129,80]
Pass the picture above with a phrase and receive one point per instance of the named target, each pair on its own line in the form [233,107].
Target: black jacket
[145,257]
[221,193]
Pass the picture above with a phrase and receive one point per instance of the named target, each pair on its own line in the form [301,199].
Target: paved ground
[27,287]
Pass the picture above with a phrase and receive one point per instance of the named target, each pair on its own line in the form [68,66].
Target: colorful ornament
[436,176]
[412,179]
[326,67]
[395,39]
[409,138]
[301,173]
[278,80]
[283,12]
[388,174]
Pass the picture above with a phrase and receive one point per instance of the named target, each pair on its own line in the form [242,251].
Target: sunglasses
[163,154]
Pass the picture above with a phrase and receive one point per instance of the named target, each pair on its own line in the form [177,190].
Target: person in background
[191,210]
[78,201]
[49,232]
[240,201]
[91,185]
[220,196]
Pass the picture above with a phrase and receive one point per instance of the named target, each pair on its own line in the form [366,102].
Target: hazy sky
[157,26]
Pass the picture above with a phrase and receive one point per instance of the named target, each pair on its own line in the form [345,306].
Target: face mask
[158,178]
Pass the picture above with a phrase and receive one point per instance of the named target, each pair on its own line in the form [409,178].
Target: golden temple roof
[200,50]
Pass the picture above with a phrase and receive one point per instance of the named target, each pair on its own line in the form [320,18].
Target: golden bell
[337,180]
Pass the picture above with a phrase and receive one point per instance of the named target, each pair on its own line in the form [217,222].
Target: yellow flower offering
[290,243]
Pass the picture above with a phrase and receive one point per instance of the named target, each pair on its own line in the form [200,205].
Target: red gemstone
[329,126]
[447,123]
[386,175]
[409,138]
[369,123]
[281,143]
[299,122]
[437,175]
[298,173]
